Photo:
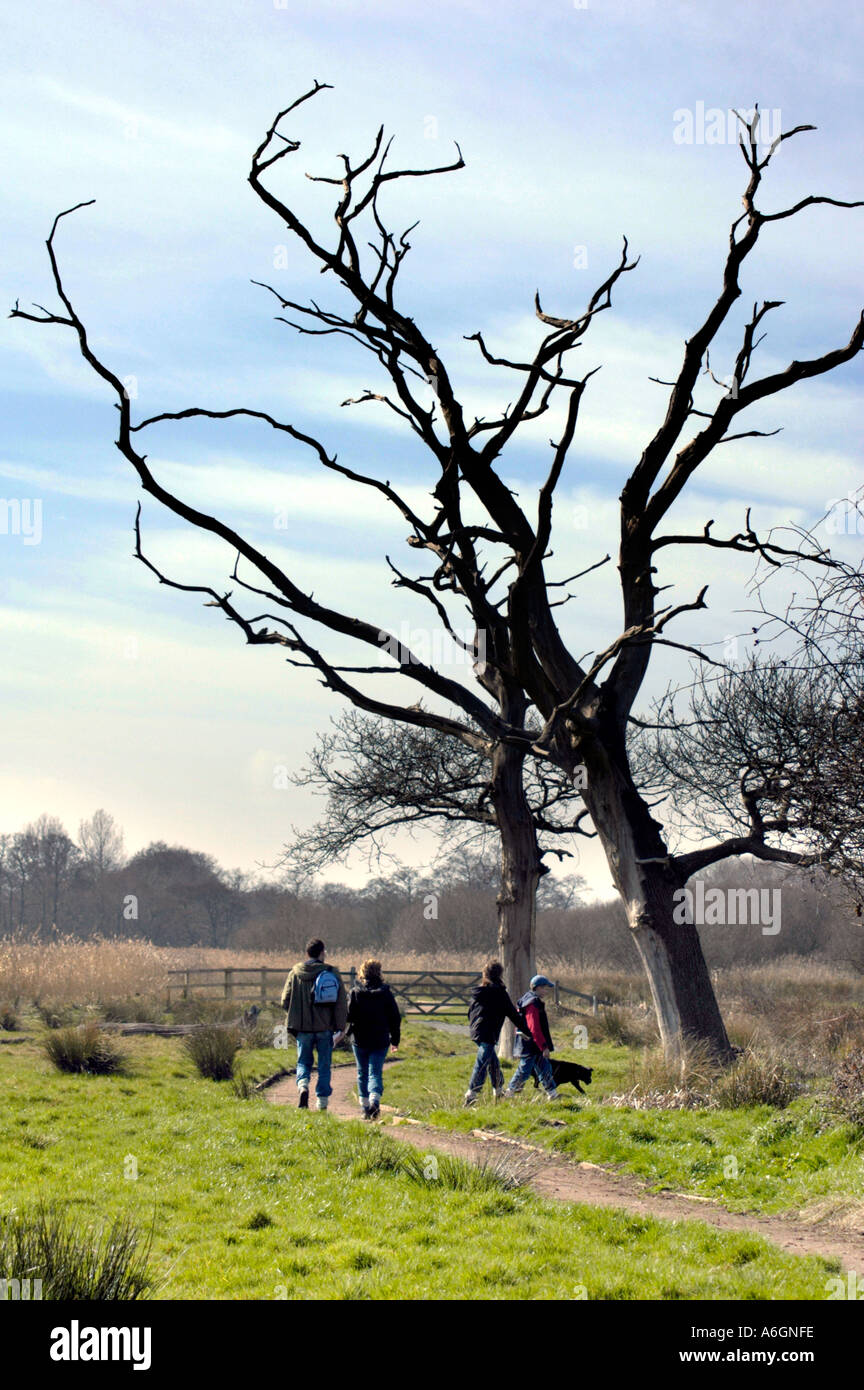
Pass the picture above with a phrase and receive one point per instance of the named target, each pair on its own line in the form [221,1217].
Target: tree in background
[40,861]
[100,844]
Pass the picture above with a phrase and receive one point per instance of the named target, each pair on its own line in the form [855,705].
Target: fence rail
[422,991]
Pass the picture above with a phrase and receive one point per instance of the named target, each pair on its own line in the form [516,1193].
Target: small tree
[100,841]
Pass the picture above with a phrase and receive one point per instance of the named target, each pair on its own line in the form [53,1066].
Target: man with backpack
[316,1005]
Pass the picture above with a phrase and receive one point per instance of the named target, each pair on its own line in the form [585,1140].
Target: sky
[578,124]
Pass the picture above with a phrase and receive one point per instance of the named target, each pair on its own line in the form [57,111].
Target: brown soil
[564,1180]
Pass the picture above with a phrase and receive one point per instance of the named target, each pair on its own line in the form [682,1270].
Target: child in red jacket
[533,1051]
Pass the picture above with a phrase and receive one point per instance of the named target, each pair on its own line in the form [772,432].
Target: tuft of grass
[259,1221]
[58,1015]
[359,1152]
[8,1018]
[846,1096]
[362,1152]
[618,1026]
[213,1050]
[496,1172]
[85,1049]
[74,1262]
[656,1083]
[757,1078]
[242,1086]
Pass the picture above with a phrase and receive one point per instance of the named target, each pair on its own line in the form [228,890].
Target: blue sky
[118,693]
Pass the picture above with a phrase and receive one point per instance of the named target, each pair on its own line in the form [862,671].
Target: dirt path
[565,1180]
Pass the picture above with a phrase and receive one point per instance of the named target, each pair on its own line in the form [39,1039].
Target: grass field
[797,1159]
[247,1201]
[244,1205]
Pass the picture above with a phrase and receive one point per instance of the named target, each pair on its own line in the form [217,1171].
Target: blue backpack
[326,987]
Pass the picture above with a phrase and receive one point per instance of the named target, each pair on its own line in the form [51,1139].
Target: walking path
[565,1180]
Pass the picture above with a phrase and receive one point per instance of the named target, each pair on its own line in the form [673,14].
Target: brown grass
[812,1010]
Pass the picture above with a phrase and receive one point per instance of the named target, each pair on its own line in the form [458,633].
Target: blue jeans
[529,1064]
[370,1072]
[487,1061]
[306,1044]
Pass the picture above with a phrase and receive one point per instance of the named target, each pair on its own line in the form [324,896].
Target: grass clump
[359,1152]
[259,1221]
[72,1261]
[85,1049]
[8,1018]
[243,1086]
[497,1172]
[618,1026]
[659,1083]
[213,1050]
[846,1096]
[757,1078]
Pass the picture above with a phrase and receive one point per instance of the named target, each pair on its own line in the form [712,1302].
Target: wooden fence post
[263,984]
[229,982]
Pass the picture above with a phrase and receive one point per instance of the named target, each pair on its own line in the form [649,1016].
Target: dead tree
[496,566]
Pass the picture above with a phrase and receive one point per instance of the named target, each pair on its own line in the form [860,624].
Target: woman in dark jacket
[375,1024]
[490,1005]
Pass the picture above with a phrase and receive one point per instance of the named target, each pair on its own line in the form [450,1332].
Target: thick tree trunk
[521,871]
[639,860]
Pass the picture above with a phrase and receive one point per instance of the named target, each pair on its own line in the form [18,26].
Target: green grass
[243,1203]
[785,1160]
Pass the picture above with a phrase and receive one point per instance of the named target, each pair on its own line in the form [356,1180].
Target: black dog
[568,1072]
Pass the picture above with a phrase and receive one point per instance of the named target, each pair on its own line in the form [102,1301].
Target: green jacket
[304,1015]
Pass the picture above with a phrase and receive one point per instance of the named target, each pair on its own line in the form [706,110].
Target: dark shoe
[303,1102]
[373,1112]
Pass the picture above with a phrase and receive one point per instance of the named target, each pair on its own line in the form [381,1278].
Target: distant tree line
[173,896]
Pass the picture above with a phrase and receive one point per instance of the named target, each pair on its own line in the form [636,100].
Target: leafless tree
[496,566]
[770,754]
[771,748]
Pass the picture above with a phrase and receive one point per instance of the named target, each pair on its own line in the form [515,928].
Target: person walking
[533,1048]
[316,1005]
[490,1005]
[374,1023]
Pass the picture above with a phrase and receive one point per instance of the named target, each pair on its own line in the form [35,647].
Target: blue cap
[541,980]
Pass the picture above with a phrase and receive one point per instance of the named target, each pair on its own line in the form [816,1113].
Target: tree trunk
[521,871]
[645,876]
